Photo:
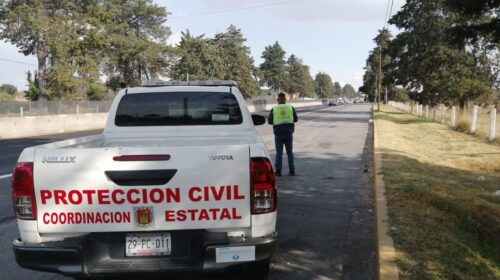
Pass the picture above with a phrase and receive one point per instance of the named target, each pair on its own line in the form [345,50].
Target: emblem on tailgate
[143,216]
[221,157]
[56,159]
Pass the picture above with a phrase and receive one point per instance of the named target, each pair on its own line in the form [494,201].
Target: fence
[43,108]
[474,120]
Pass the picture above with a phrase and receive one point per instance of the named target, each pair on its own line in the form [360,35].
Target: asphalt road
[325,213]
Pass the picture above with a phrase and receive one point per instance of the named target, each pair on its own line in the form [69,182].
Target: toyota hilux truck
[179,181]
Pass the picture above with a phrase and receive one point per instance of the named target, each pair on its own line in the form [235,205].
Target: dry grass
[440,183]
[482,125]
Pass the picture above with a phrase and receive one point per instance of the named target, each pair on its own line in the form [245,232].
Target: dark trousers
[279,141]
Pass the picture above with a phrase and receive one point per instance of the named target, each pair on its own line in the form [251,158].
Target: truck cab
[179,181]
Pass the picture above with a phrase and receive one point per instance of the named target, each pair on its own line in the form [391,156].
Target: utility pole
[379,80]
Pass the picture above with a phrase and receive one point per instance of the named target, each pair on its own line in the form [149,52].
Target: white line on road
[5,176]
[313,111]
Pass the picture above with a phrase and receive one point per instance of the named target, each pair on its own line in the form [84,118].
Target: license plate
[148,244]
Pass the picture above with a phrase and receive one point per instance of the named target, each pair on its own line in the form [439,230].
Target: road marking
[5,176]
[313,111]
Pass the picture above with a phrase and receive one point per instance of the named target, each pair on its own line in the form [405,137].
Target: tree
[8,88]
[61,34]
[237,63]
[197,57]
[33,93]
[337,89]
[32,27]
[348,91]
[136,49]
[429,59]
[382,41]
[96,91]
[299,77]
[324,85]
[482,19]
[274,67]
[224,57]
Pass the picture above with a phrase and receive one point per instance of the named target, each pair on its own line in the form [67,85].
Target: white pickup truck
[179,181]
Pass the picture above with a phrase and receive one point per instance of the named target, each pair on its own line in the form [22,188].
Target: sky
[331,36]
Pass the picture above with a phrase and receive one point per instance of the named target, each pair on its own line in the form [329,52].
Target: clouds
[312,10]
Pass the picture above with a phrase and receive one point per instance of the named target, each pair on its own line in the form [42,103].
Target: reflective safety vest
[282,113]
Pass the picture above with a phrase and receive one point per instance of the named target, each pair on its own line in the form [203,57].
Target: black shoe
[277,173]
[292,173]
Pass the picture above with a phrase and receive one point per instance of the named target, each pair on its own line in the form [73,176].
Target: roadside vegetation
[443,212]
[8,92]
[78,43]
[444,52]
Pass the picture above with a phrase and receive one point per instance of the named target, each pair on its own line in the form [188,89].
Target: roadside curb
[51,134]
[387,268]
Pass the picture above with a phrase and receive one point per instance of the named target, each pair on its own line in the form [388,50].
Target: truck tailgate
[142,189]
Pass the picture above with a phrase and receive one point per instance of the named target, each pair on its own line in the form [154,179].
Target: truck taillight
[263,190]
[23,193]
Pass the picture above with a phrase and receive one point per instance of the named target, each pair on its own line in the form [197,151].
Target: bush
[5,97]
[96,92]
[8,88]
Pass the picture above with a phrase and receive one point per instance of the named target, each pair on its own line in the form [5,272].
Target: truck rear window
[178,108]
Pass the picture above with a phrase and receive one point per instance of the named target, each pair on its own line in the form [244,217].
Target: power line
[18,62]
[236,9]
[390,11]
[387,12]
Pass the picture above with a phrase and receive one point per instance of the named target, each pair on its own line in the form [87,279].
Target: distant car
[340,101]
[332,102]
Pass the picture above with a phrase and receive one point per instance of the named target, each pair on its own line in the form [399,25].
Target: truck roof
[213,83]
[183,86]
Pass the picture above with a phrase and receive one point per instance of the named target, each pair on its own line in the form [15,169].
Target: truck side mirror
[258,119]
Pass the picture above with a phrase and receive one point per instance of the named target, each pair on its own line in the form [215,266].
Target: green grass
[444,218]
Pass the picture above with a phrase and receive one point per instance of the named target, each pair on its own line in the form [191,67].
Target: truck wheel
[256,271]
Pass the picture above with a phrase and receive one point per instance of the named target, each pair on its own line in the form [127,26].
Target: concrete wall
[15,127]
[38,125]
[296,104]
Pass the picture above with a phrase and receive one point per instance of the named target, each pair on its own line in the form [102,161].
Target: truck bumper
[104,254]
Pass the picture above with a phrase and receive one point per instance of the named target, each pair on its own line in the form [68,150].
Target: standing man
[282,117]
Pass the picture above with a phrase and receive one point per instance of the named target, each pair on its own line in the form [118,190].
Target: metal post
[21,111]
[77,108]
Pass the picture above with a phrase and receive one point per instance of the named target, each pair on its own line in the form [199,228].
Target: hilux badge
[143,216]
[61,159]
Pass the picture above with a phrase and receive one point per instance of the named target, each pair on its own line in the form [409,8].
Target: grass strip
[440,184]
